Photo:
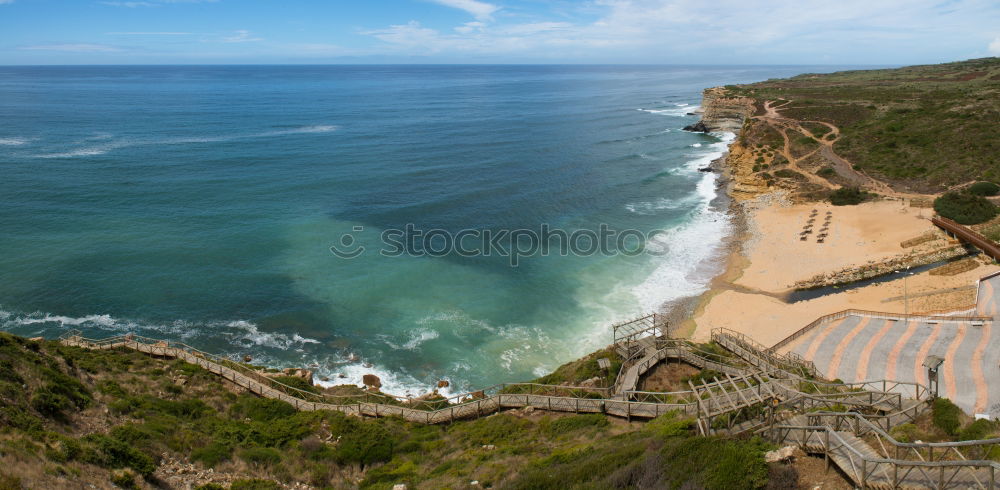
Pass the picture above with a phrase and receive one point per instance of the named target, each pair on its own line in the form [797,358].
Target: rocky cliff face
[722,112]
[744,183]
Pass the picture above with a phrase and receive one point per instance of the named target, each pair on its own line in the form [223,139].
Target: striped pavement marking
[838,352]
[891,362]
[956,363]
[818,338]
[982,388]
[828,348]
[861,373]
[986,300]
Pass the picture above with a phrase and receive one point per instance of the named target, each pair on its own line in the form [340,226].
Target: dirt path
[843,167]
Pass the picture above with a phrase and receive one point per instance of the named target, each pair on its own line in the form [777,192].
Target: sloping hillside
[75,418]
[918,129]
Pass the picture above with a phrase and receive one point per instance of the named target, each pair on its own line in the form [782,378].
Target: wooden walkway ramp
[739,388]
[871,458]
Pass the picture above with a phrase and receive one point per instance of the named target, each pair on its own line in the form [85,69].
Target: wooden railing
[989,247]
[760,356]
[482,402]
[872,314]
[842,437]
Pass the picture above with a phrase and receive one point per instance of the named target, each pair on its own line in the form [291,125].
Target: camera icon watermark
[515,244]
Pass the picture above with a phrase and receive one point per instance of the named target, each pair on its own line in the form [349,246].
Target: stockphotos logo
[515,244]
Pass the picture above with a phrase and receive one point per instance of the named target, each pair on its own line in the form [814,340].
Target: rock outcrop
[723,112]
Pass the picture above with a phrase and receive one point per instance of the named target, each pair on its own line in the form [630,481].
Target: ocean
[200,204]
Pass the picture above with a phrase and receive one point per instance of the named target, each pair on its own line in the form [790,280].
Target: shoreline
[763,257]
[681,312]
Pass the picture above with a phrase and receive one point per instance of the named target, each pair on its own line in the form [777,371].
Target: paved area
[988,296]
[861,348]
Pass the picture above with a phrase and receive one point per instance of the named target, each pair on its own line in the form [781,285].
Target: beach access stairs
[748,390]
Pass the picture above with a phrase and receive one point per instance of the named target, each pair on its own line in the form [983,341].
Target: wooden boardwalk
[871,458]
[857,442]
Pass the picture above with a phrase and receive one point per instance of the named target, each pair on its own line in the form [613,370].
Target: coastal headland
[794,256]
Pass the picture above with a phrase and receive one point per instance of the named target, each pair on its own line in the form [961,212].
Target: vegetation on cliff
[965,207]
[124,418]
[921,128]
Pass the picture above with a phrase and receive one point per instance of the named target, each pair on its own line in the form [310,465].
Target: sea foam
[686,248]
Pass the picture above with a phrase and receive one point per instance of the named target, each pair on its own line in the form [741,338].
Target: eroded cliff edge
[724,112]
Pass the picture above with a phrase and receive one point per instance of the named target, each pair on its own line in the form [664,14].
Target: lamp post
[906,297]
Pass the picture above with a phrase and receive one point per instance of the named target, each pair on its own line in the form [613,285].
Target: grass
[121,421]
[921,127]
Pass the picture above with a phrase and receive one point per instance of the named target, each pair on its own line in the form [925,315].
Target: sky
[782,32]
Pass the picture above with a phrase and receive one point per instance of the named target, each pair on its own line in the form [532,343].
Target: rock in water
[698,127]
[443,383]
[371,381]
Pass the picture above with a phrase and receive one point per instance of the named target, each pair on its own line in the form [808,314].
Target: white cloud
[470,27]
[6,1]
[153,3]
[479,10]
[240,36]
[147,33]
[73,48]
[778,31]
[995,46]
[130,4]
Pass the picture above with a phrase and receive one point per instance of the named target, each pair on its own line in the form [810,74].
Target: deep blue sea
[200,204]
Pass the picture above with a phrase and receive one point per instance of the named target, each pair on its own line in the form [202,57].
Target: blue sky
[497,31]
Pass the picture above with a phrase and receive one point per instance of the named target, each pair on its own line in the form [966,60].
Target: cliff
[722,112]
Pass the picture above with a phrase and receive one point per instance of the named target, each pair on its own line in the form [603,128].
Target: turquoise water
[200,204]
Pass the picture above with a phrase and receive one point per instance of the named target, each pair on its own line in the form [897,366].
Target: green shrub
[906,433]
[50,404]
[965,208]
[254,484]
[265,456]
[848,196]
[210,486]
[261,409]
[111,388]
[111,453]
[368,443]
[574,423]
[59,394]
[123,479]
[718,463]
[212,454]
[670,425]
[978,429]
[826,172]
[64,449]
[984,189]
[391,473]
[296,382]
[946,416]
[493,430]
[8,482]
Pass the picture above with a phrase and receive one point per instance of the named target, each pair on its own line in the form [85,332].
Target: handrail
[554,397]
[860,420]
[862,479]
[872,314]
[771,357]
[985,244]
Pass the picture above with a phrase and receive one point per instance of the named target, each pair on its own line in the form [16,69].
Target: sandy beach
[767,258]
